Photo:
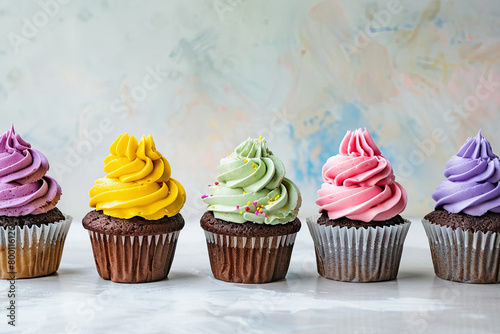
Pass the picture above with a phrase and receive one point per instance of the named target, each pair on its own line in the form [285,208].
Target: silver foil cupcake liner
[32,251]
[249,259]
[133,259]
[462,255]
[352,254]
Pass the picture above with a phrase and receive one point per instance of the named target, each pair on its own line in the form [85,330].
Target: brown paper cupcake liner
[358,254]
[35,250]
[249,259]
[462,255]
[133,259]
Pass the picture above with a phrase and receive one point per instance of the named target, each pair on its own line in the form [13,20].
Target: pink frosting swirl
[24,187]
[359,182]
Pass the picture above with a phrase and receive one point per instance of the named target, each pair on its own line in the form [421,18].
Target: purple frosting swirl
[24,187]
[472,186]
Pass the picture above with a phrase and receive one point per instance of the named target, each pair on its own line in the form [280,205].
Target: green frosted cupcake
[251,219]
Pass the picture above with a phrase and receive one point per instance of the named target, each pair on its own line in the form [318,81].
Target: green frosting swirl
[252,187]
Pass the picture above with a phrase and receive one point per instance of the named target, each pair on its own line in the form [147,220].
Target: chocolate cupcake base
[133,259]
[358,254]
[249,253]
[249,259]
[133,250]
[462,255]
[31,250]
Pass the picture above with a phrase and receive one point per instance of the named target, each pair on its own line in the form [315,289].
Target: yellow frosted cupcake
[136,221]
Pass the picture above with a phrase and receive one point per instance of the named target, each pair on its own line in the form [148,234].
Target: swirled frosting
[137,183]
[252,187]
[24,187]
[472,180]
[359,182]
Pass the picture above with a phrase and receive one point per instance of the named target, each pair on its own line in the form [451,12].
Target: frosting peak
[140,162]
[359,182]
[472,180]
[12,141]
[358,143]
[24,187]
[477,147]
[252,186]
[138,182]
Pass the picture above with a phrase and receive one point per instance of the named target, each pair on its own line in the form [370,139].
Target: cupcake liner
[462,255]
[37,250]
[133,259]
[352,254]
[249,259]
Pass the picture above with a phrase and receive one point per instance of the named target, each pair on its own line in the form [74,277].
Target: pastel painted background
[202,76]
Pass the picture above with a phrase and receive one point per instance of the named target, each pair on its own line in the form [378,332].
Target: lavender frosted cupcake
[464,229]
[32,229]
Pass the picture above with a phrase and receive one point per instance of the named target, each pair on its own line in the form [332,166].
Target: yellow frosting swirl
[137,183]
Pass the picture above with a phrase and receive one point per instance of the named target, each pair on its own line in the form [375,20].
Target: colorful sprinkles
[258,209]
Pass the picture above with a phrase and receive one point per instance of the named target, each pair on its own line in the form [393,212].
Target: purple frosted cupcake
[32,229]
[464,230]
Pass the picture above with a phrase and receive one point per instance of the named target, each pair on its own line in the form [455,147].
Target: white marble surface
[77,300]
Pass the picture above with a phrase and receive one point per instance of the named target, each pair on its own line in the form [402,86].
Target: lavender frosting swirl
[24,187]
[472,180]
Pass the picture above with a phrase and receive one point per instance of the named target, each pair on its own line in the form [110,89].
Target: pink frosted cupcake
[359,234]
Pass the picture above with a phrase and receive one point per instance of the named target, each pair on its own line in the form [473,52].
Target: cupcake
[136,221]
[251,219]
[32,229]
[359,234]
[464,229]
